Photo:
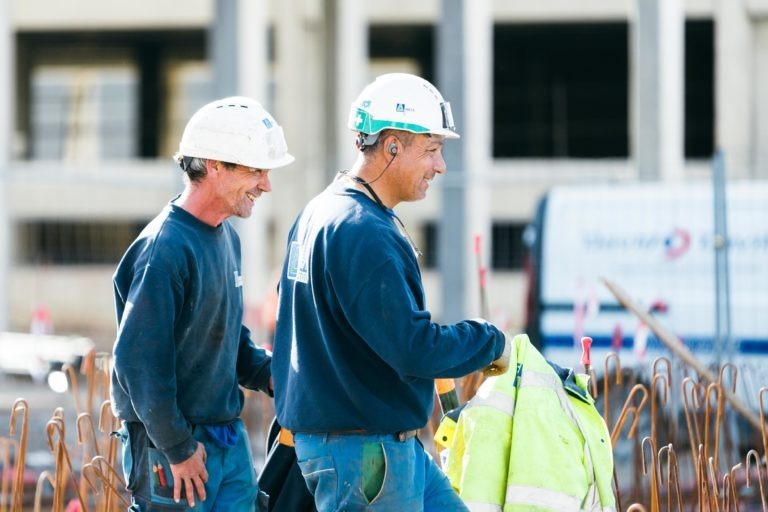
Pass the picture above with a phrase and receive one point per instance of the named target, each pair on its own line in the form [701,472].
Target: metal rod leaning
[713,388]
[657,363]
[673,471]
[86,419]
[655,505]
[752,454]
[45,475]
[725,425]
[701,478]
[617,361]
[72,377]
[63,462]
[108,424]
[712,480]
[691,417]
[17,492]
[637,388]
[729,490]
[654,386]
[677,347]
[88,369]
[109,480]
[7,445]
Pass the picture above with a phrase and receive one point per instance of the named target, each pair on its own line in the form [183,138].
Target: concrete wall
[760,143]
[129,190]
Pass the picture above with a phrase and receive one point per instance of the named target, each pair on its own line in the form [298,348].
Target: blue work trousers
[231,482]
[349,472]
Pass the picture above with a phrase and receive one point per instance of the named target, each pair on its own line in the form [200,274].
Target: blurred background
[550,97]
[95,96]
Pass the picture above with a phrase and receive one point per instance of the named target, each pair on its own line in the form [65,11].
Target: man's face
[419,162]
[240,186]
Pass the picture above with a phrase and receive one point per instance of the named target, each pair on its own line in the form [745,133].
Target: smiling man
[182,351]
[356,351]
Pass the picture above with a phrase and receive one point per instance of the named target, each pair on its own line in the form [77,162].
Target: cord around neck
[388,211]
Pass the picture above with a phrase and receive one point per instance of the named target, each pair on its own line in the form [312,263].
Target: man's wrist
[182,451]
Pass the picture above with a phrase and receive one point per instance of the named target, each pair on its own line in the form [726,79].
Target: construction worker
[356,350]
[182,351]
[531,440]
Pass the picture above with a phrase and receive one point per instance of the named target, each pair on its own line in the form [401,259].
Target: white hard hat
[236,130]
[401,101]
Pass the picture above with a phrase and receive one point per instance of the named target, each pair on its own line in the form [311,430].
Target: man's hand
[192,474]
[500,365]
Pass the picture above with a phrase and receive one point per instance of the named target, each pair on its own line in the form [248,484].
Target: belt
[401,436]
[285,437]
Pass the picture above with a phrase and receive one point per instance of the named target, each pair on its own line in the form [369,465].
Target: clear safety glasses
[447,116]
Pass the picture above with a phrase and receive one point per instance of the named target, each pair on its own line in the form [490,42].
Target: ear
[391,146]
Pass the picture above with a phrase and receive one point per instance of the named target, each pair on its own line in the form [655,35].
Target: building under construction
[96,94]
[546,95]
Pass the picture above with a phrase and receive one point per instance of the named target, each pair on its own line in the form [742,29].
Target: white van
[36,355]
[655,241]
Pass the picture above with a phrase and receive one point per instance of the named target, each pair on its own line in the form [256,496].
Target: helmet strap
[364,140]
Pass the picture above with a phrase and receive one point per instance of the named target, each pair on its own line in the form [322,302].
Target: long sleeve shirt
[355,347]
[182,350]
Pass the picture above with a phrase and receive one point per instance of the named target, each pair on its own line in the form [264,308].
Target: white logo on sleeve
[298,269]
[238,280]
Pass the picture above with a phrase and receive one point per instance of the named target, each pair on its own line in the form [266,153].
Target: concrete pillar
[252,33]
[293,81]
[657,89]
[760,165]
[7,115]
[239,45]
[253,72]
[452,256]
[290,69]
[734,89]
[222,47]
[464,46]
[476,130]
[347,59]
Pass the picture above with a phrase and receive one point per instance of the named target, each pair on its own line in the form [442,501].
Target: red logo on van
[677,243]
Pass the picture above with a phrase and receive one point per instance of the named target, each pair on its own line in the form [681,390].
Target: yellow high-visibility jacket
[531,440]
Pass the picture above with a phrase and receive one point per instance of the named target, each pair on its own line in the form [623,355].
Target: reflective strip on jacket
[532,440]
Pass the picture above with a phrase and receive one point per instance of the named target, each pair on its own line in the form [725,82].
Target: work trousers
[351,472]
[231,482]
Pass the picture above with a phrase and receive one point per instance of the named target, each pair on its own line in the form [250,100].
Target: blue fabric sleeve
[145,361]
[253,364]
[384,309]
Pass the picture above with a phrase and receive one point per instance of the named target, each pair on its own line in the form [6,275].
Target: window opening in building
[402,48]
[110,95]
[560,90]
[429,245]
[83,112]
[699,89]
[507,247]
[52,242]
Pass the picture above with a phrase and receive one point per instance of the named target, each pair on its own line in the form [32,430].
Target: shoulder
[165,240]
